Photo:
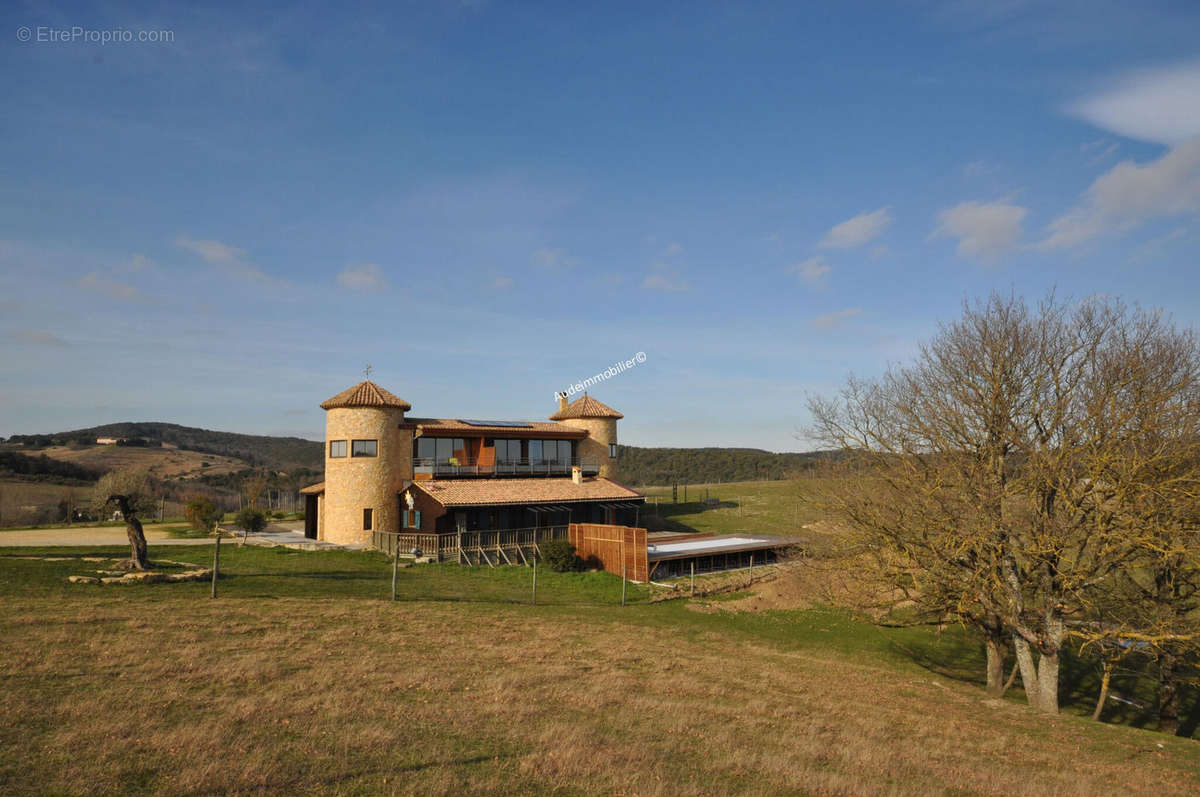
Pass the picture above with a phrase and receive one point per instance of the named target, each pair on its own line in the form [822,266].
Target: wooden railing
[494,546]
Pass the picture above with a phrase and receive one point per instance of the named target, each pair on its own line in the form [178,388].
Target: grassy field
[304,676]
[161,462]
[780,508]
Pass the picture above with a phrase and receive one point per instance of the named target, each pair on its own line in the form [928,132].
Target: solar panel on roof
[509,424]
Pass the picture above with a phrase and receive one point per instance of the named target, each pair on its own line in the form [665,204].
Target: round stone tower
[368,459]
[600,421]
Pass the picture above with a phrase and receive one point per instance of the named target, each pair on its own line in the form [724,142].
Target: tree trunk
[1103,698]
[137,544]
[995,666]
[1040,678]
[1168,694]
[1028,668]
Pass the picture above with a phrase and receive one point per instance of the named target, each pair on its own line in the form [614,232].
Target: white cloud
[982,228]
[554,259]
[1131,194]
[367,277]
[812,271]
[101,283]
[230,259]
[38,337]
[1098,150]
[862,229]
[666,278]
[835,319]
[1158,105]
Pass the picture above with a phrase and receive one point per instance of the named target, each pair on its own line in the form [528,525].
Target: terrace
[515,455]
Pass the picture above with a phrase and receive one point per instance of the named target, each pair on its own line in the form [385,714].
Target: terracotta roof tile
[365,394]
[495,492]
[586,407]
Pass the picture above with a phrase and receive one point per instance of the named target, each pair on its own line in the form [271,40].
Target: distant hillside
[639,466]
[276,453]
[662,466]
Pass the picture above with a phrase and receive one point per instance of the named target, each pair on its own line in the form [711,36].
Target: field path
[108,535]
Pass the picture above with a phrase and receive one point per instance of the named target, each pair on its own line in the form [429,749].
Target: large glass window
[426,448]
[364,448]
[535,452]
[508,452]
[445,450]
[564,452]
[337,448]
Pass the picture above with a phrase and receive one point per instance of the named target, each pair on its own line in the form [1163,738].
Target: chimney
[562,401]
[577,474]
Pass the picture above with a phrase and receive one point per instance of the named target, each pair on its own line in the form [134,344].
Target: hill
[275,453]
[662,466]
[639,466]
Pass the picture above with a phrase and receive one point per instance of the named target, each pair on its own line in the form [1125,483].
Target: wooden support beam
[502,553]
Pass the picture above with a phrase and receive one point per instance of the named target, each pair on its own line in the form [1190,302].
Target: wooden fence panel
[617,549]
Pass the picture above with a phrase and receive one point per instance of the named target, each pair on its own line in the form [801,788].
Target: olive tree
[129,490]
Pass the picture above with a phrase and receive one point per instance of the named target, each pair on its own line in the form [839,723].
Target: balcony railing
[493,547]
[468,466]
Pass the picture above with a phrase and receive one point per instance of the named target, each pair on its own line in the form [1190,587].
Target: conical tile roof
[585,407]
[365,394]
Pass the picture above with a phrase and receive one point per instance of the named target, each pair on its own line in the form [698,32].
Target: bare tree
[129,491]
[1008,467]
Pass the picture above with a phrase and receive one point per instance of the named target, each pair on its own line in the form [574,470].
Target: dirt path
[105,535]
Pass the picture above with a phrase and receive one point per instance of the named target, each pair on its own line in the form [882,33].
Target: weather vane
[367,371]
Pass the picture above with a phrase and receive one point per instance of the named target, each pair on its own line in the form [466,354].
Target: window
[564,452]
[337,448]
[412,518]
[367,513]
[612,450]
[535,452]
[508,452]
[363,448]
[426,448]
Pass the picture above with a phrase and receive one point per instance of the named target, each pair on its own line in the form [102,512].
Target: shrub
[559,556]
[250,519]
[202,513]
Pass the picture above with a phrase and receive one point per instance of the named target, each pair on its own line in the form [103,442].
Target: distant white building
[108,441]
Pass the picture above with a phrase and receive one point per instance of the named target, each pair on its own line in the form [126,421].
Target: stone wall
[353,484]
[601,432]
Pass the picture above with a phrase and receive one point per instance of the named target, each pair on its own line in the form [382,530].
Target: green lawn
[780,508]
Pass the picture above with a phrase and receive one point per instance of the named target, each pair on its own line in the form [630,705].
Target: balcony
[456,467]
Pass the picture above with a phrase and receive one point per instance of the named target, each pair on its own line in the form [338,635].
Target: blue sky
[490,201]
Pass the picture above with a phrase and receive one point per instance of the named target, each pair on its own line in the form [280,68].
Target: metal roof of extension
[728,543]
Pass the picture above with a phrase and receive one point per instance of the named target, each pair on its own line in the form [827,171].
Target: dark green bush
[251,520]
[559,556]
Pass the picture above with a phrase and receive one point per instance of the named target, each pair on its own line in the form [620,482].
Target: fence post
[395,567]
[624,567]
[751,568]
[216,564]
[693,577]
[535,576]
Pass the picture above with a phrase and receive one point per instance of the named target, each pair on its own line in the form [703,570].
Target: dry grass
[137,691]
[163,463]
